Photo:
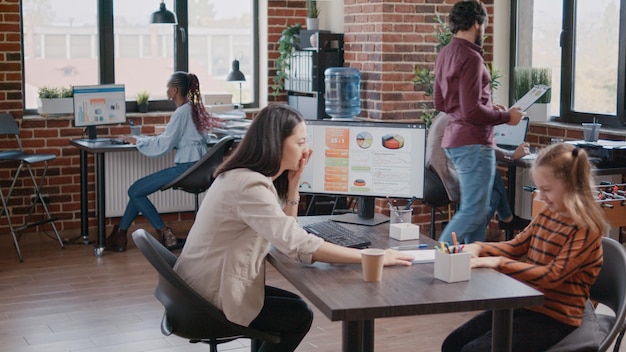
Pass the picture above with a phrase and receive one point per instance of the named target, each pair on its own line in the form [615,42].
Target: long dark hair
[189,86]
[261,149]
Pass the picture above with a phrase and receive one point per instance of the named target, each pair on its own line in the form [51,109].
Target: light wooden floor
[70,300]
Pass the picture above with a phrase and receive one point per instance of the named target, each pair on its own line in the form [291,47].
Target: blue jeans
[476,167]
[499,200]
[142,188]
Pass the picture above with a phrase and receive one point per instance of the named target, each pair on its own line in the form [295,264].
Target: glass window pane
[539,32]
[144,57]
[220,32]
[59,45]
[596,53]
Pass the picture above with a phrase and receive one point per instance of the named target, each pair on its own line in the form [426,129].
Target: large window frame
[568,49]
[106,51]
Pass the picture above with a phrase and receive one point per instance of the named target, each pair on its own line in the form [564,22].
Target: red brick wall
[385,39]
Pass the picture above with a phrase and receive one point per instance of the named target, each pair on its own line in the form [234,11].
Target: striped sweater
[555,257]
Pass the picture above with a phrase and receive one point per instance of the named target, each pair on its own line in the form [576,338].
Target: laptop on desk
[508,136]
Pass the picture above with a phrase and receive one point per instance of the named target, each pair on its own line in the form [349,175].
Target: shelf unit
[305,82]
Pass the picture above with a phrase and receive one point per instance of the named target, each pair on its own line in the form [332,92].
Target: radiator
[124,168]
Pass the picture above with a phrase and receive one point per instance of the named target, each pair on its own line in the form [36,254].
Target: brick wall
[385,39]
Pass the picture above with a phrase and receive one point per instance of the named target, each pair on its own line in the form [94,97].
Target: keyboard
[118,141]
[332,232]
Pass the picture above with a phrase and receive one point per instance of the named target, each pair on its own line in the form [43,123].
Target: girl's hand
[499,107]
[473,249]
[485,262]
[393,257]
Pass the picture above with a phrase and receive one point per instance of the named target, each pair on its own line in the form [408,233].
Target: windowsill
[571,126]
[249,112]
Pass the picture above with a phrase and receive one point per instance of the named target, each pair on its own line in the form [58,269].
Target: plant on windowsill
[55,101]
[313,12]
[142,101]
[527,77]
[287,44]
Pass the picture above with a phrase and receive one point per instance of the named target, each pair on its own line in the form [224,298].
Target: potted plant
[142,101]
[287,43]
[55,101]
[312,20]
[527,77]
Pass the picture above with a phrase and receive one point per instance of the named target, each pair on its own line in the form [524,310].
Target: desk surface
[339,292]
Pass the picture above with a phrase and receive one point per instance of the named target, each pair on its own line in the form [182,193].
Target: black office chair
[187,314]
[24,160]
[610,290]
[435,195]
[199,177]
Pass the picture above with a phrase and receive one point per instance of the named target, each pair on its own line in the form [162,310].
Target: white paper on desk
[422,255]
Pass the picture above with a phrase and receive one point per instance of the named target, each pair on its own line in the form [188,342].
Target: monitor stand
[365,215]
[91,136]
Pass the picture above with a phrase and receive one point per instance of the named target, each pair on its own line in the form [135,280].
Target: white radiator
[124,168]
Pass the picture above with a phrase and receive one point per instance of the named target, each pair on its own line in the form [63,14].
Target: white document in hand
[531,97]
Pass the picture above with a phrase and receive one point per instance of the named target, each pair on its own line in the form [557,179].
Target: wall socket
[46,198]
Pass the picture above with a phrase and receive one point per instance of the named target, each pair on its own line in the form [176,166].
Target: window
[68,43]
[582,42]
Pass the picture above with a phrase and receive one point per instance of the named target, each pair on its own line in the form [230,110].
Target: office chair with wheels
[199,177]
[24,160]
[599,330]
[435,196]
[187,314]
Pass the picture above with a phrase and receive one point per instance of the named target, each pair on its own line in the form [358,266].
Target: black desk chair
[435,196]
[24,160]
[199,177]
[187,314]
[610,290]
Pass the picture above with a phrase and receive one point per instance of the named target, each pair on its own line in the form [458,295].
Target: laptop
[509,137]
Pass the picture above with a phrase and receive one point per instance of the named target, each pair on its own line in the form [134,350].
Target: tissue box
[452,267]
[404,231]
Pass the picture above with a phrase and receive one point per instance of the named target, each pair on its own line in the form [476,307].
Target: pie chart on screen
[393,141]
[364,140]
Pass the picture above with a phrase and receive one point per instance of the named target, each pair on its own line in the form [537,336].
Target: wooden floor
[71,300]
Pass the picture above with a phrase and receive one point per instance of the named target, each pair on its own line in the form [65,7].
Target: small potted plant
[312,20]
[55,101]
[142,101]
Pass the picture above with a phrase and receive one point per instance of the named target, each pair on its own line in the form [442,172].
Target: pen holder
[452,267]
[399,216]
[404,231]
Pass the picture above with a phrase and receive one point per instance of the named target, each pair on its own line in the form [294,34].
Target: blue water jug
[343,92]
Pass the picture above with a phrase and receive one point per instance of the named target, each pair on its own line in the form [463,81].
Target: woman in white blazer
[251,206]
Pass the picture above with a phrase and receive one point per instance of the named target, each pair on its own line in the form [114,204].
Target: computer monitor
[365,159]
[95,105]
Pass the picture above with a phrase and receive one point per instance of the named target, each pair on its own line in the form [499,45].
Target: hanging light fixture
[235,75]
[163,15]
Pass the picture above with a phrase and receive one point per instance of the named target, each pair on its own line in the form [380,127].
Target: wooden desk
[339,292]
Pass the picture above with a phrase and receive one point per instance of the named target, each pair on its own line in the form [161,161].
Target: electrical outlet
[46,198]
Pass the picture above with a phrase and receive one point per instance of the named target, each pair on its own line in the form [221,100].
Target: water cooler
[343,92]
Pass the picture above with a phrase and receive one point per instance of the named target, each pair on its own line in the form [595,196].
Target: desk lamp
[236,76]
[163,15]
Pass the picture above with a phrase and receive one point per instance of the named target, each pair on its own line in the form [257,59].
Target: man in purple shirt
[463,90]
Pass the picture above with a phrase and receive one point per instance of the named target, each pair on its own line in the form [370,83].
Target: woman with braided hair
[186,132]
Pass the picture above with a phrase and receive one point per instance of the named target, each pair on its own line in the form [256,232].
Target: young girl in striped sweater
[559,254]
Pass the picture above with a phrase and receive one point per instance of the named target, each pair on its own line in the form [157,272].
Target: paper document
[531,97]
[422,255]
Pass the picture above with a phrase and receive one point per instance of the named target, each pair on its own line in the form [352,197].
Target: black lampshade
[163,15]
[235,75]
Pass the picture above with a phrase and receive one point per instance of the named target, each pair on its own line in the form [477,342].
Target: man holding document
[462,89]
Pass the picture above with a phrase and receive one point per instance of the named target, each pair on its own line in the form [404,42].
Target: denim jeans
[499,200]
[476,167]
[142,188]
